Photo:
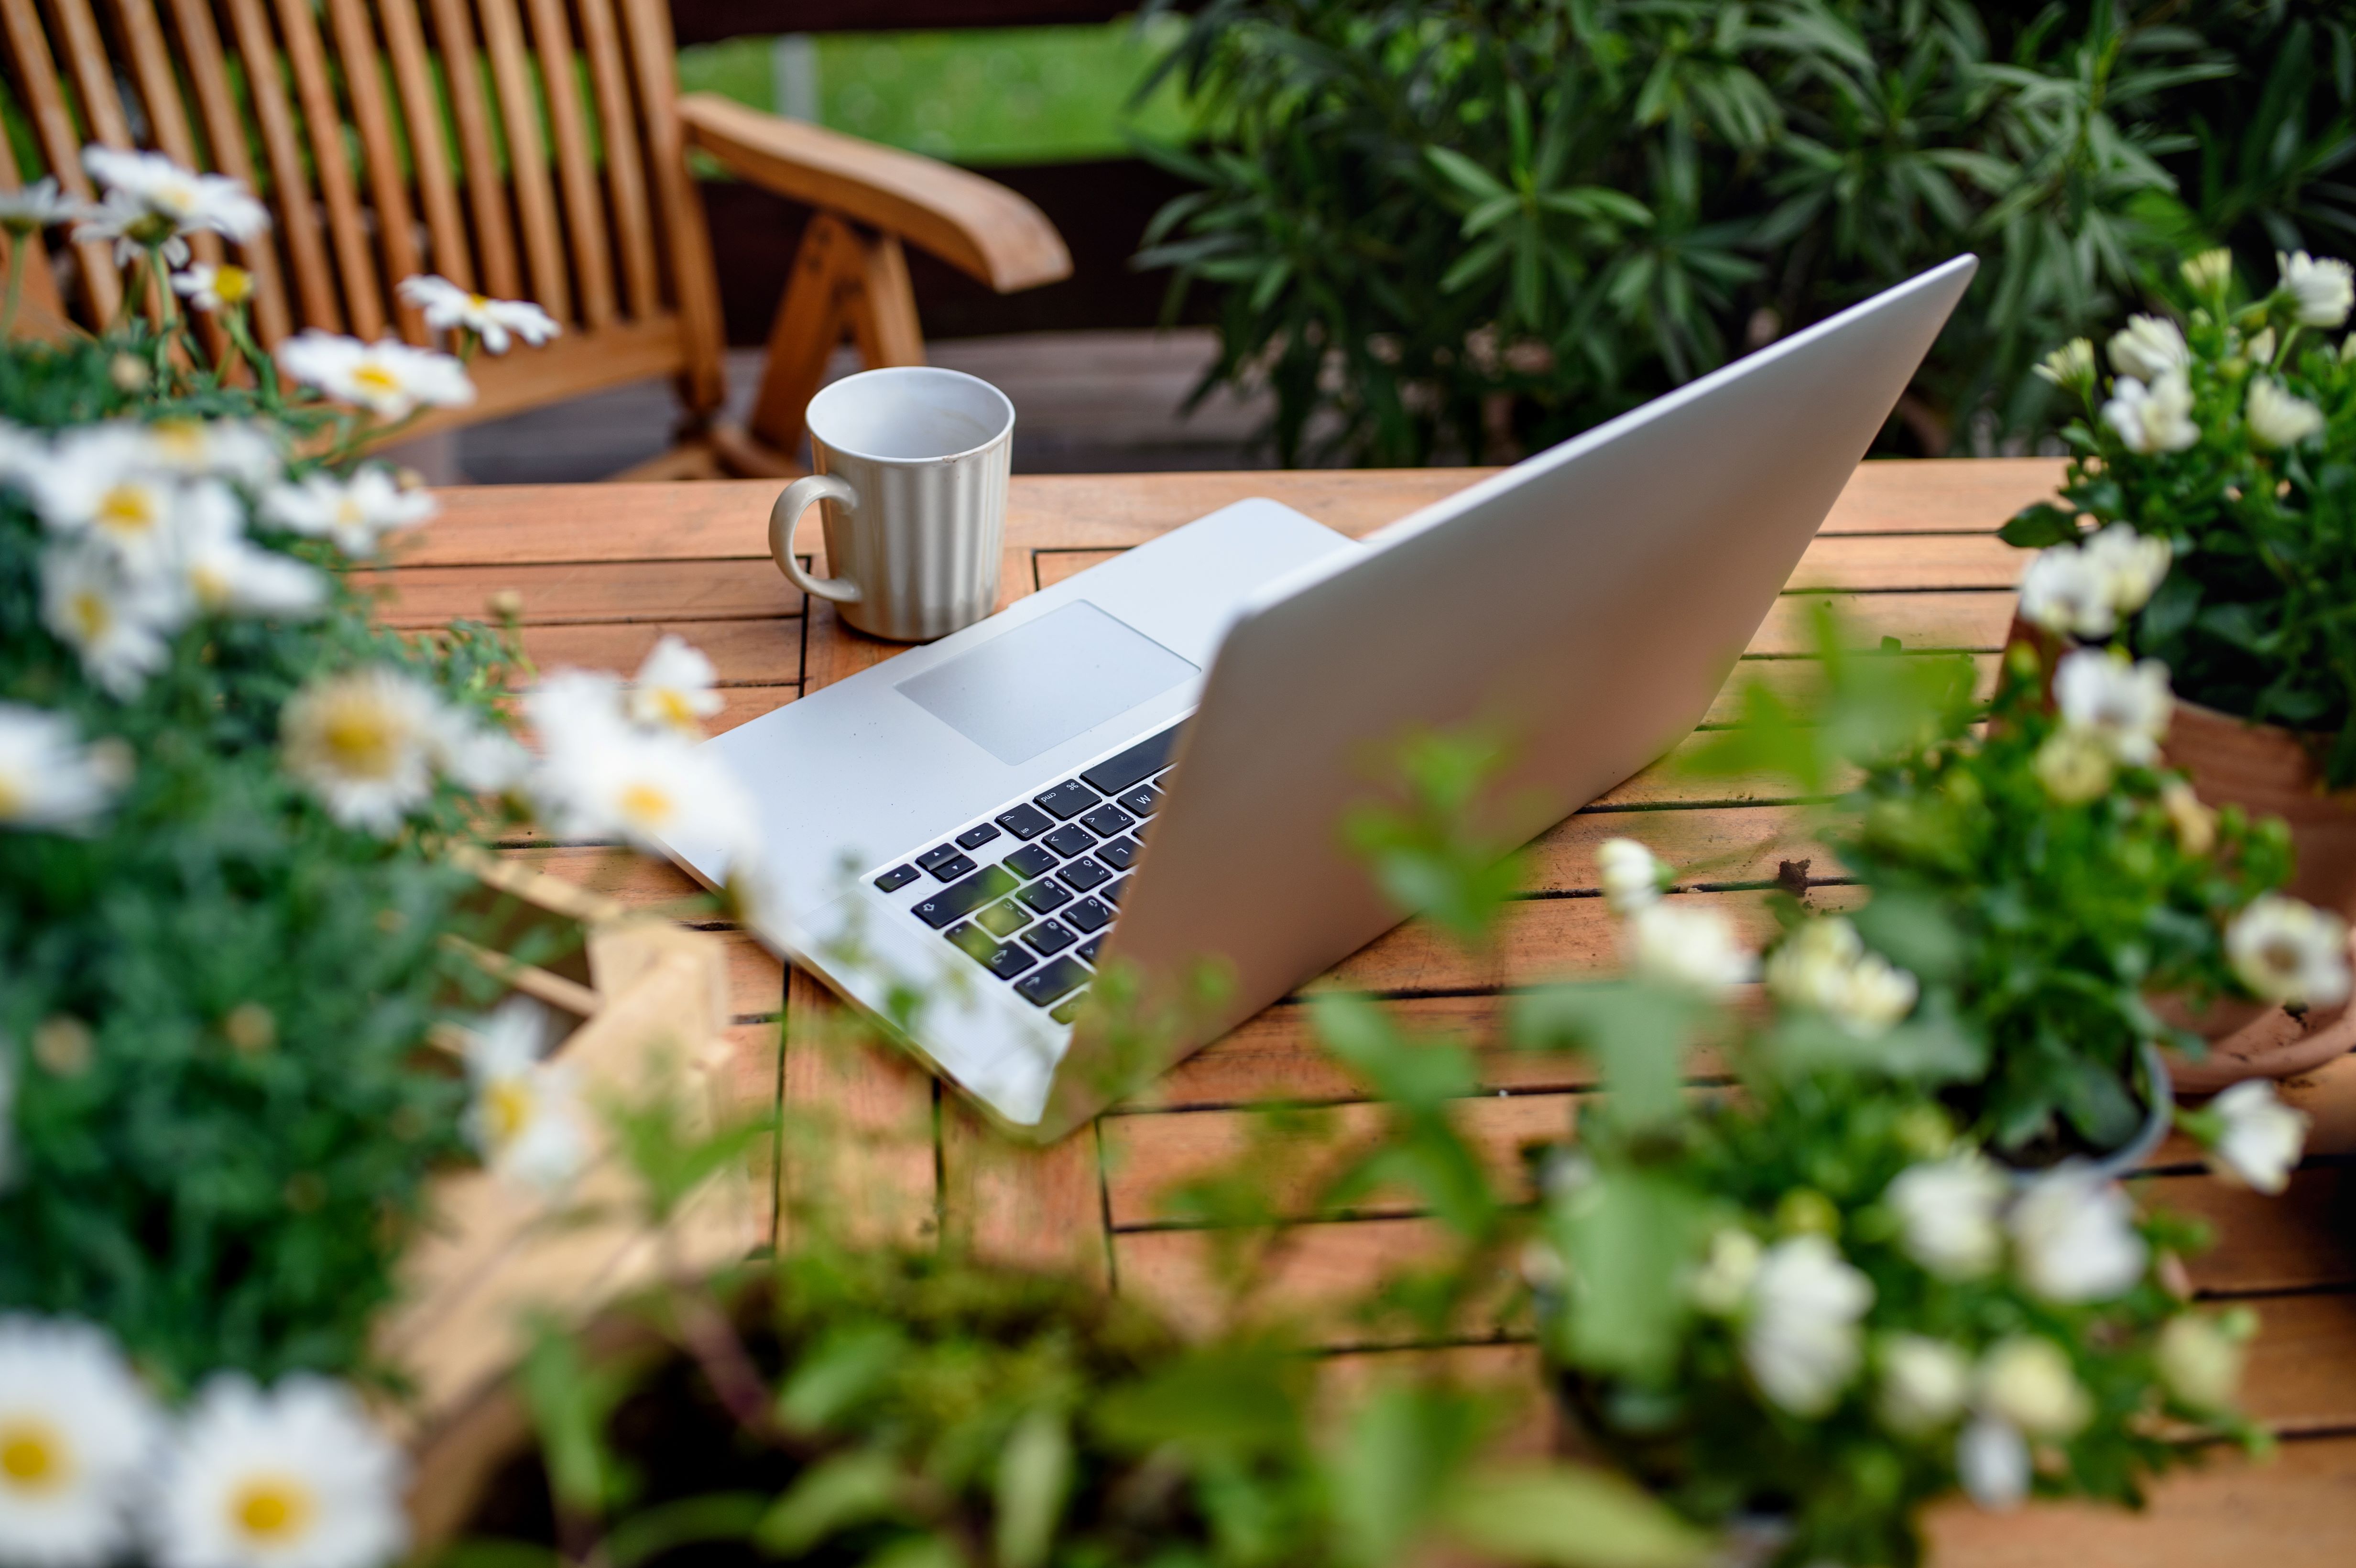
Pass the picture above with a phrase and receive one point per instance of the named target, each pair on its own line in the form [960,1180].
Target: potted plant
[2217,448]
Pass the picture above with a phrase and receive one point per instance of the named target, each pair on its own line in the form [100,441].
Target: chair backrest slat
[94,75]
[296,209]
[454,35]
[535,199]
[315,92]
[585,210]
[437,193]
[225,130]
[40,283]
[625,168]
[646,26]
[364,86]
[60,144]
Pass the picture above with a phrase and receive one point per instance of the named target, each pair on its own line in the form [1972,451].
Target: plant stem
[16,283]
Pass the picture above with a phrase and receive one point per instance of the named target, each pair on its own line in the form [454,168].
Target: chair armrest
[972,223]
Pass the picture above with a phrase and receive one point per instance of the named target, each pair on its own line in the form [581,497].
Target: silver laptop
[1146,766]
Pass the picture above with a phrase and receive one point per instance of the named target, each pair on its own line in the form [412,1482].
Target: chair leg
[843,282]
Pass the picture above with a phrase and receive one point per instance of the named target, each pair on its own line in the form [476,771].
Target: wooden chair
[537,152]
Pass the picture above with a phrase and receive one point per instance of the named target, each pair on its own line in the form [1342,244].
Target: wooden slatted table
[1911,549]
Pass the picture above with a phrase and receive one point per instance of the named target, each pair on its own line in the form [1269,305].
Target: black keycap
[1139,763]
[1025,821]
[938,854]
[1088,914]
[1049,937]
[974,838]
[1045,896]
[949,870]
[1070,839]
[1054,980]
[1010,961]
[1107,820]
[1031,861]
[1121,854]
[1112,894]
[961,899]
[898,877]
[1067,1009]
[1083,874]
[971,940]
[1067,800]
[1144,800]
[1001,919]
[1092,947]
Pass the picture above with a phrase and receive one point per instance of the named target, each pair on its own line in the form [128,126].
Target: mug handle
[786,516]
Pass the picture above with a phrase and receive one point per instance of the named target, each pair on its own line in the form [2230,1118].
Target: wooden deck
[1911,550]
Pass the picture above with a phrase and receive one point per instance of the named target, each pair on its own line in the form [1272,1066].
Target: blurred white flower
[356,513]
[1948,1214]
[151,200]
[2124,706]
[2073,767]
[38,206]
[1824,966]
[646,789]
[2280,417]
[1925,1382]
[227,573]
[2027,1382]
[2072,365]
[2209,272]
[672,689]
[2201,1359]
[2195,825]
[2259,1138]
[1992,1463]
[1800,1336]
[77,1432]
[2320,290]
[97,481]
[1722,1282]
[2067,595]
[495,322]
[2154,418]
[240,450]
[526,1118]
[2130,565]
[210,287]
[364,743]
[476,755]
[2289,951]
[2148,347]
[293,1477]
[1633,875]
[2073,1236]
[48,779]
[118,623]
[1685,942]
[388,378]
[2260,349]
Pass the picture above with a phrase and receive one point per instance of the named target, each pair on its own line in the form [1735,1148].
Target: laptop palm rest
[1041,683]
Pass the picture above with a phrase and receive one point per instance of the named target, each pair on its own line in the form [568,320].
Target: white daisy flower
[2154,418]
[356,513]
[1948,1214]
[208,287]
[239,450]
[152,201]
[2067,595]
[526,1119]
[2200,1357]
[1688,944]
[1992,1463]
[2124,706]
[672,689]
[2257,1139]
[2073,1236]
[119,624]
[293,1477]
[2280,417]
[2027,1382]
[1824,966]
[1633,875]
[495,322]
[1925,1382]
[2148,347]
[388,378]
[77,1430]
[2320,291]
[649,790]
[2072,365]
[2290,952]
[2131,565]
[37,206]
[2260,349]
[2210,272]
[48,779]
[1800,1336]
[364,743]
[98,481]
[227,573]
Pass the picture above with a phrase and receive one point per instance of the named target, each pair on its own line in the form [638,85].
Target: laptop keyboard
[1028,893]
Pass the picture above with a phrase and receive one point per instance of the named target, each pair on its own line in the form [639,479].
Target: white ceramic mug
[911,481]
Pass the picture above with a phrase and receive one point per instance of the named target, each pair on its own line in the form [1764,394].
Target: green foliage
[1472,230]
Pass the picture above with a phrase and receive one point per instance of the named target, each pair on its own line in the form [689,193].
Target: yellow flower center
[506,1110]
[271,1510]
[33,1456]
[647,805]
[183,440]
[672,703]
[348,513]
[233,285]
[362,741]
[2282,955]
[480,301]
[127,508]
[14,798]
[209,585]
[92,616]
[378,380]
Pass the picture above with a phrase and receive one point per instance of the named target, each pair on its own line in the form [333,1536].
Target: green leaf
[1034,1475]
[1628,1235]
[1468,176]
[847,1365]
[721,1516]
[1638,1031]
[1396,1460]
[858,1488]
[2040,526]
[1568,1518]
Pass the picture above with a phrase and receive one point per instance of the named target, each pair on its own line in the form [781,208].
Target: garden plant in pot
[2220,447]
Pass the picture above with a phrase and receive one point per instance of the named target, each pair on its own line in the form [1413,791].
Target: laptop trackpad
[1034,688]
